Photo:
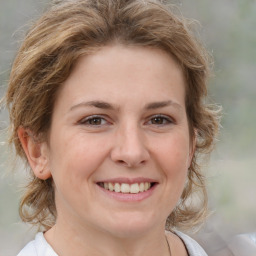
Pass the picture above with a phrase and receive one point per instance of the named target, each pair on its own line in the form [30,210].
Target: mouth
[125,188]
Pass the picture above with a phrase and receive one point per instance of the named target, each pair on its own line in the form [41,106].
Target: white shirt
[40,247]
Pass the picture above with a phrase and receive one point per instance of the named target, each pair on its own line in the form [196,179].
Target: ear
[36,152]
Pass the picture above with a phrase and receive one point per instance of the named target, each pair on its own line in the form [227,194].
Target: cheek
[76,158]
[174,158]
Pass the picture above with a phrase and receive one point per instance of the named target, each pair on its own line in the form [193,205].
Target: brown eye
[93,121]
[157,120]
[160,120]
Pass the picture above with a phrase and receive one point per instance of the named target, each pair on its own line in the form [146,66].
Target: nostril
[121,162]
[124,163]
[130,163]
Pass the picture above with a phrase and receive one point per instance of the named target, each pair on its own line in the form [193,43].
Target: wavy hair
[70,29]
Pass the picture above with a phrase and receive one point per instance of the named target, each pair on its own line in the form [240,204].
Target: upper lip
[128,180]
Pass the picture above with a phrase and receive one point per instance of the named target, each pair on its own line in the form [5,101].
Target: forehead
[118,72]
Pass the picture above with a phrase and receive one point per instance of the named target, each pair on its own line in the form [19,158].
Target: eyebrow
[96,104]
[162,104]
[108,106]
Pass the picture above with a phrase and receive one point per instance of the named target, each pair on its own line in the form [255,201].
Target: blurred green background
[228,31]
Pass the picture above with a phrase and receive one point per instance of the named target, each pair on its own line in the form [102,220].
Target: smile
[125,188]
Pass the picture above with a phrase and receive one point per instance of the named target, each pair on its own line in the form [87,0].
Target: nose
[130,148]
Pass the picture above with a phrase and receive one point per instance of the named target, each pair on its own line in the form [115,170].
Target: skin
[130,137]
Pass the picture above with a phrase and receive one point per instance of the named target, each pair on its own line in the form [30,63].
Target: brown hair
[72,28]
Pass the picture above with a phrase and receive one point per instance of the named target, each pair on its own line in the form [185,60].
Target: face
[119,145]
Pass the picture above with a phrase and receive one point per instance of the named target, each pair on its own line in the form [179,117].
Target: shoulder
[37,247]
[193,248]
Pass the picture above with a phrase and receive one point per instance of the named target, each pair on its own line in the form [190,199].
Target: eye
[160,120]
[93,121]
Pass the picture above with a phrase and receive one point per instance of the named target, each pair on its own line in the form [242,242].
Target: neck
[81,241]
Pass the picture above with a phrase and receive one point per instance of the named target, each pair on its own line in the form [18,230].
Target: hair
[70,29]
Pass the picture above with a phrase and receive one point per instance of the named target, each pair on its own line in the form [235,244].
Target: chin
[132,225]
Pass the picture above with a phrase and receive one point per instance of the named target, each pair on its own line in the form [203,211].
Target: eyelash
[86,121]
[166,119]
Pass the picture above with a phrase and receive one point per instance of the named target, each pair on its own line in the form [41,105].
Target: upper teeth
[127,188]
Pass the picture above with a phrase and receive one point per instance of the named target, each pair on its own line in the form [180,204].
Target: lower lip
[129,197]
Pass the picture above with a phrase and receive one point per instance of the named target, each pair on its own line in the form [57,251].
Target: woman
[107,106]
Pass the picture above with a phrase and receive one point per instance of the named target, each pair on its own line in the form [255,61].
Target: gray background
[228,31]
